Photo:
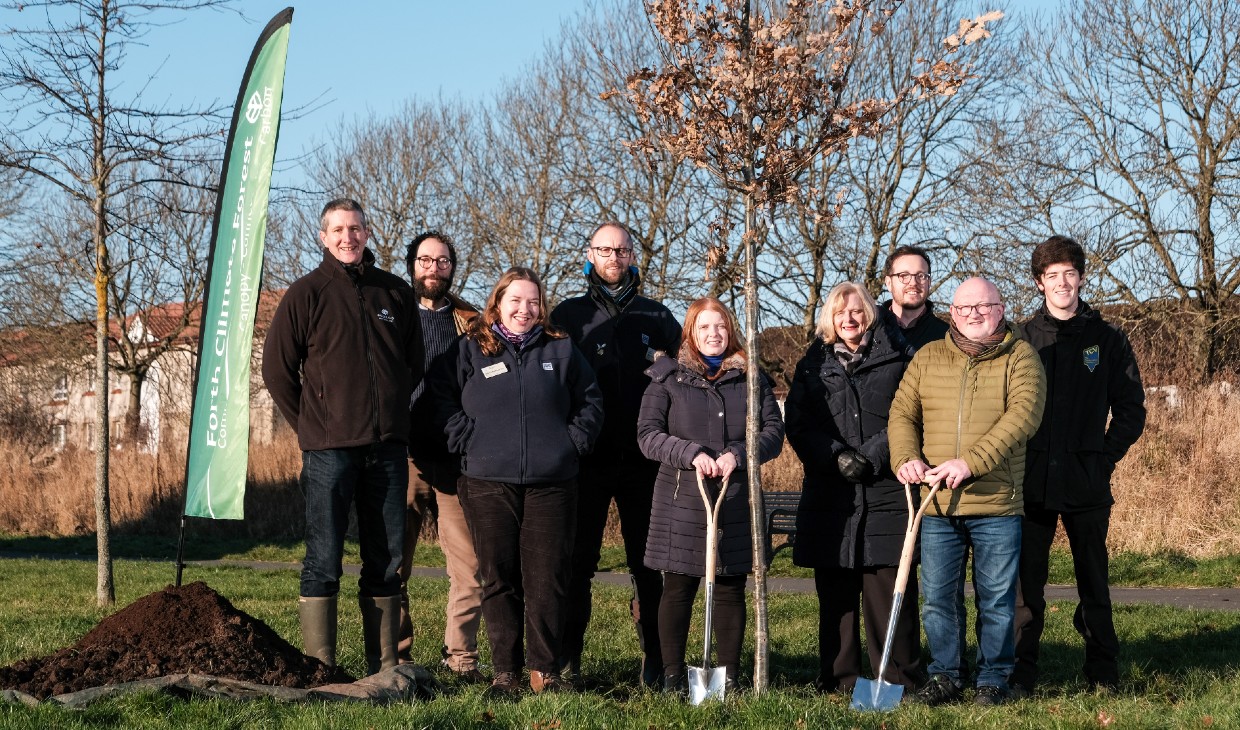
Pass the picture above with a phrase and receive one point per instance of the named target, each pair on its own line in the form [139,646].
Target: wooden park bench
[781,519]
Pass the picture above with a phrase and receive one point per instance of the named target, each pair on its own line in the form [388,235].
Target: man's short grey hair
[342,204]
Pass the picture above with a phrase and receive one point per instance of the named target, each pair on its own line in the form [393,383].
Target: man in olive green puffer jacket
[968,404]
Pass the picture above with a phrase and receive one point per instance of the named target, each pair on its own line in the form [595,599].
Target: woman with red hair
[692,421]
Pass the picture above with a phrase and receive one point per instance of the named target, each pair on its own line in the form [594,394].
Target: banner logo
[254,108]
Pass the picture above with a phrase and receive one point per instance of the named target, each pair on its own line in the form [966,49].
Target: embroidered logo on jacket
[1091,356]
[599,349]
[386,316]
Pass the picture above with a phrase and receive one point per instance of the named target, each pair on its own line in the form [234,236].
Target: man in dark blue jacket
[621,333]
[1091,373]
[340,360]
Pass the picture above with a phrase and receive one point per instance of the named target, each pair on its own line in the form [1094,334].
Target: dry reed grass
[55,496]
[1176,489]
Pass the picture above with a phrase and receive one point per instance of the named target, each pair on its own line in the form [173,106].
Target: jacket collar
[1004,347]
[1043,320]
[688,359]
[887,344]
[334,268]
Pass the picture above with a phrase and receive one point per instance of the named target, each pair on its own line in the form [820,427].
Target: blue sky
[365,59]
[350,62]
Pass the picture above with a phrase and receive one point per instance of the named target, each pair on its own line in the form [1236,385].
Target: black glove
[853,466]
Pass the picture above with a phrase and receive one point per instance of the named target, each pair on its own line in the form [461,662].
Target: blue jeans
[375,477]
[945,544]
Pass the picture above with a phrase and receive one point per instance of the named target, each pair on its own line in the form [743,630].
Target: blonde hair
[835,302]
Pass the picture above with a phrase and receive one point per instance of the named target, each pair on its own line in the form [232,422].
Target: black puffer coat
[841,524]
[683,414]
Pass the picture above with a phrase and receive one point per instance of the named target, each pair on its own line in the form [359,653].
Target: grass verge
[1180,668]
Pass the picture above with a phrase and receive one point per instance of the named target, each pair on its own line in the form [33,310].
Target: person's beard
[431,287]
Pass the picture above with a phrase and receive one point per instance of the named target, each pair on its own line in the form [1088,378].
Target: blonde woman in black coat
[692,421]
[853,511]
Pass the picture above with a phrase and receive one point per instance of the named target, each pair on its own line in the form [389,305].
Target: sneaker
[505,686]
[940,690]
[1020,692]
[989,695]
[546,682]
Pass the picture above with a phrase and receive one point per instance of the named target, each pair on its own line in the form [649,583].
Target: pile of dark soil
[186,630]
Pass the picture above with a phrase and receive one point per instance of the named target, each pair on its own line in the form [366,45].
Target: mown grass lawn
[1181,668]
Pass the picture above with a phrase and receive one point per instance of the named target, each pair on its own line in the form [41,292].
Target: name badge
[548,366]
[498,368]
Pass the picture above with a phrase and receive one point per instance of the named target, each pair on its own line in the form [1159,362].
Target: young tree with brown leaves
[754,92]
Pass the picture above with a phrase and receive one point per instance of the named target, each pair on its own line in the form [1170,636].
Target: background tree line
[1111,121]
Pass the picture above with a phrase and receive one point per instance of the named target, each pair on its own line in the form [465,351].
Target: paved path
[1210,599]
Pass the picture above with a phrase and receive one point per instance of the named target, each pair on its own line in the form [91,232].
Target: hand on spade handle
[951,474]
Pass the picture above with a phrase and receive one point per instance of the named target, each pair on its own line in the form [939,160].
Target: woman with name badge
[520,405]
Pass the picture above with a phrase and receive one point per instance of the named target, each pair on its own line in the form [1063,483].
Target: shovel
[879,694]
[706,683]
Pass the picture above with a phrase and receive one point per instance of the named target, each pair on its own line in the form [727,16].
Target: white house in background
[49,376]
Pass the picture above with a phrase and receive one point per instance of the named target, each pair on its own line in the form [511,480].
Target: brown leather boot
[546,682]
[505,686]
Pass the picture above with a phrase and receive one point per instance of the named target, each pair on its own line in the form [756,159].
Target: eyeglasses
[607,251]
[982,308]
[907,276]
[442,262]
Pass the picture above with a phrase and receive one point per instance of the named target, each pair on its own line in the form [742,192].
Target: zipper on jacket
[964,379]
[370,360]
[521,463]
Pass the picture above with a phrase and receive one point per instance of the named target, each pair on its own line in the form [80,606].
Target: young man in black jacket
[340,360]
[621,333]
[906,275]
[1091,372]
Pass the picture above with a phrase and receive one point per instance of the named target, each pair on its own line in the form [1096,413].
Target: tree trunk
[133,413]
[753,462]
[105,591]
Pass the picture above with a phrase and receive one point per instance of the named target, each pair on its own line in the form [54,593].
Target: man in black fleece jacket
[1090,372]
[340,360]
[620,332]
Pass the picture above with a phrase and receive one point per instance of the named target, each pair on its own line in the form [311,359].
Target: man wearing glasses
[968,405]
[433,471]
[907,276]
[621,333]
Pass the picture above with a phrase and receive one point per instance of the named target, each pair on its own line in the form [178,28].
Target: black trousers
[523,535]
[727,621]
[839,626]
[1087,537]
[631,485]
